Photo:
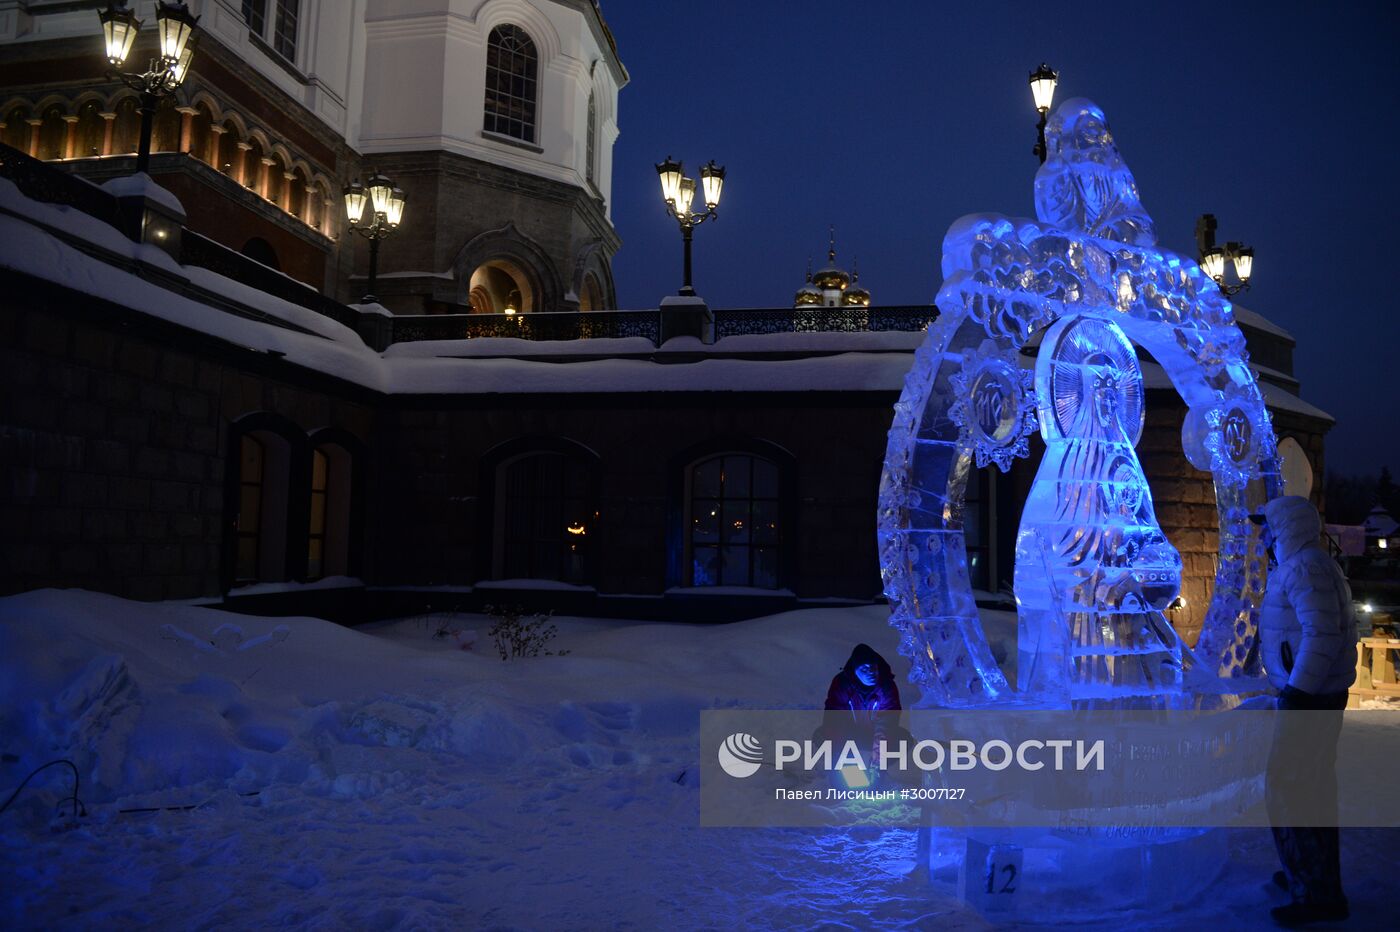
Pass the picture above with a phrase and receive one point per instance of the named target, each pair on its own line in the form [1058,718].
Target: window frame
[241,531]
[268,33]
[750,499]
[591,146]
[319,508]
[535,498]
[496,117]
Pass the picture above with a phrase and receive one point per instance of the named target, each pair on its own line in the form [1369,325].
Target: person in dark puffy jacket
[862,705]
[1307,629]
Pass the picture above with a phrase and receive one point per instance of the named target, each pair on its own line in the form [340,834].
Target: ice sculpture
[1087,186]
[1089,261]
[1094,572]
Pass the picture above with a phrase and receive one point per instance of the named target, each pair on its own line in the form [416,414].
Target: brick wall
[434,533]
[113,447]
[115,434]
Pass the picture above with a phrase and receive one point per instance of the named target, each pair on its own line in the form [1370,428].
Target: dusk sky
[889,120]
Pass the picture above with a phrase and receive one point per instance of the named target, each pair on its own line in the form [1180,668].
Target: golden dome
[831,279]
[806,296]
[855,296]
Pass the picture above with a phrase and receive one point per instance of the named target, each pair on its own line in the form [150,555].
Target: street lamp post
[1213,257]
[1043,81]
[386,204]
[175,26]
[678,191]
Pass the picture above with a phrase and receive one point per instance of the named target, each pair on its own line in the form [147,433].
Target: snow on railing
[40,181]
[553,325]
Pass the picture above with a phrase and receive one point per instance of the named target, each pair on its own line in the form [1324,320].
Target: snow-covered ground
[385,778]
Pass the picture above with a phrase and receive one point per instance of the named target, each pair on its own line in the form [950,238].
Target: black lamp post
[1043,81]
[1212,257]
[164,73]
[386,204]
[678,191]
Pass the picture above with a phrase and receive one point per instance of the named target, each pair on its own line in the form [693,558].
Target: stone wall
[113,447]
[115,433]
[438,531]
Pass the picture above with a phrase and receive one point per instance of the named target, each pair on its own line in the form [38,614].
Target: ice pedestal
[1031,873]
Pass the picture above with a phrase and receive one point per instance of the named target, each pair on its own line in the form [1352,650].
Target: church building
[496,119]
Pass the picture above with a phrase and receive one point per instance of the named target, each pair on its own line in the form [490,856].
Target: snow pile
[384,777]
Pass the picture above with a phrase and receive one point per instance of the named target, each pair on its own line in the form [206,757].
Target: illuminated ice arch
[968,402]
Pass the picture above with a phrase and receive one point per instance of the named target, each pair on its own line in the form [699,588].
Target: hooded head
[865,654]
[1084,184]
[1294,524]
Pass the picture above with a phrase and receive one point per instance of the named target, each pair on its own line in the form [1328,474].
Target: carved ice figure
[1085,184]
[1093,569]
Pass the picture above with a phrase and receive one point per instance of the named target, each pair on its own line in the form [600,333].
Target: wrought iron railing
[49,183]
[587,325]
[729,323]
[561,325]
[207,254]
[40,181]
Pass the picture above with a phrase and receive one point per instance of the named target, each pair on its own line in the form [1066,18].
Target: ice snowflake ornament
[994,406]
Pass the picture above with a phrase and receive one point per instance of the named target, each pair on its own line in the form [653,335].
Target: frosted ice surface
[1094,571]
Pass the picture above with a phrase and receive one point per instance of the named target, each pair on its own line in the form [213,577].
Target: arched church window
[592,136]
[328,535]
[252,459]
[732,522]
[264,465]
[511,73]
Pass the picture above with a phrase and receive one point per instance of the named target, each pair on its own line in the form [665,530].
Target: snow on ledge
[731,590]
[330,582]
[142,185]
[552,585]
[517,348]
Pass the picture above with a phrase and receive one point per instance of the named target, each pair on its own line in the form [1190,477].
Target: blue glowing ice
[1094,571]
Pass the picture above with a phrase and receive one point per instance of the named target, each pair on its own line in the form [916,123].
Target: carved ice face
[1105,391]
[1089,136]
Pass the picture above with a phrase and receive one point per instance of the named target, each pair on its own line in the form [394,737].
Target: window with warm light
[733,526]
[511,75]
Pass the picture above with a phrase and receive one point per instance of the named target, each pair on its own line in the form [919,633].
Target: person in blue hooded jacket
[1307,630]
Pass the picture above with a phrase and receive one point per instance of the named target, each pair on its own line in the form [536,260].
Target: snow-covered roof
[42,240]
[1379,523]
[1247,318]
[31,232]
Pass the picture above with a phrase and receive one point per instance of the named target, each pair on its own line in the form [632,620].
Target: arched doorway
[590,297]
[498,284]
